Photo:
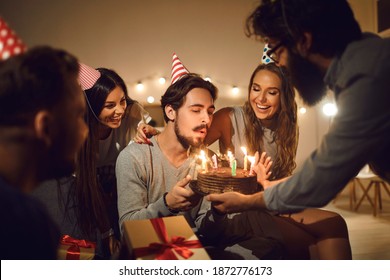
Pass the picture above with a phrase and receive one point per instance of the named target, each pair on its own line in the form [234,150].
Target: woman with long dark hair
[86,207]
[112,118]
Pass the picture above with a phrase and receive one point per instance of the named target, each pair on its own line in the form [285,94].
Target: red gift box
[169,238]
[76,249]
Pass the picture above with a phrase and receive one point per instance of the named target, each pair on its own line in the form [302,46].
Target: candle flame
[203,157]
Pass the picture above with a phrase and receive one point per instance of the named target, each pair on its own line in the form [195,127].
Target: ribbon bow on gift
[163,250]
[73,252]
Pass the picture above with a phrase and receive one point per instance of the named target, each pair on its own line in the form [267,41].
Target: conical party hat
[178,69]
[265,59]
[87,76]
[10,43]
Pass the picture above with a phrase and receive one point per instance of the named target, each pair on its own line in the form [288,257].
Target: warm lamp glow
[140,86]
[162,80]
[302,110]
[329,109]
[150,99]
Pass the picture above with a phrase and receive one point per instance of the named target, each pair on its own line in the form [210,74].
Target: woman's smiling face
[114,108]
[264,96]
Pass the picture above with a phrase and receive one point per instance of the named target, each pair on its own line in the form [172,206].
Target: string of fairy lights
[328,106]
[144,84]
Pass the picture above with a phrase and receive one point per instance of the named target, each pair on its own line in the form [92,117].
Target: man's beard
[306,78]
[187,142]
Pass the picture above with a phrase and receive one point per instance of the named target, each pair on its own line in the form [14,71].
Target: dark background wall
[383,15]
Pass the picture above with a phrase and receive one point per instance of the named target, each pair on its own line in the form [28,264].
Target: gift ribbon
[164,250]
[73,252]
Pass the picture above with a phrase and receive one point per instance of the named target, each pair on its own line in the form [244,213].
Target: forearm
[255,201]
[267,183]
[318,181]
[133,211]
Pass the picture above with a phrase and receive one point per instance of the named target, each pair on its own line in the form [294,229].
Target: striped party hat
[10,43]
[87,76]
[178,69]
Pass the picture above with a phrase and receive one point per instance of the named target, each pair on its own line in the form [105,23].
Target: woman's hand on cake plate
[181,198]
[233,202]
[262,167]
[144,132]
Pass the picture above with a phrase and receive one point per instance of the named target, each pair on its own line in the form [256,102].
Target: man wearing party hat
[188,106]
[355,66]
[41,129]
[152,179]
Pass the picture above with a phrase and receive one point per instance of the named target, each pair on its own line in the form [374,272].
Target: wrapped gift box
[168,238]
[75,249]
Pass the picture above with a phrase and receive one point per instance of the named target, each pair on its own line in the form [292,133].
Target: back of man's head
[331,22]
[33,81]
[176,93]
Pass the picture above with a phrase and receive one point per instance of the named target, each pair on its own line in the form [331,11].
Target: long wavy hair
[91,210]
[286,129]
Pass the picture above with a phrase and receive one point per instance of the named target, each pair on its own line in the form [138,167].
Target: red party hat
[178,69]
[87,76]
[10,43]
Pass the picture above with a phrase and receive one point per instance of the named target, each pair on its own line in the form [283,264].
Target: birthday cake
[221,180]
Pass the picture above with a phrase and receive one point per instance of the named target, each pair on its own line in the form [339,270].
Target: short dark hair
[38,79]
[331,23]
[176,93]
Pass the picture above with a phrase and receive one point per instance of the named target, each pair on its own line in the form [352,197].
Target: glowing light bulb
[150,99]
[302,110]
[162,80]
[235,90]
[329,109]
[140,86]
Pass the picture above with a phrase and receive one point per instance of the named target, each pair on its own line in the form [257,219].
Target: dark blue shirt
[27,231]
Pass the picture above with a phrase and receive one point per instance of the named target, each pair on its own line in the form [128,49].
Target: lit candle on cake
[234,167]
[252,161]
[245,158]
[230,157]
[215,162]
[202,156]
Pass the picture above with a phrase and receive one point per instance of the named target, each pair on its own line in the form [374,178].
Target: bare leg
[299,244]
[329,231]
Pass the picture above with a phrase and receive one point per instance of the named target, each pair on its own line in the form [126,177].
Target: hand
[114,245]
[144,132]
[261,167]
[180,198]
[111,245]
[230,202]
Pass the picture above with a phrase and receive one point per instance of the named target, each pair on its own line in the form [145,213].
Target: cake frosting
[221,180]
